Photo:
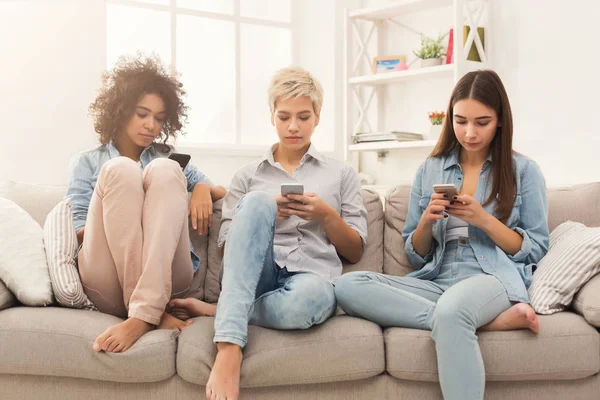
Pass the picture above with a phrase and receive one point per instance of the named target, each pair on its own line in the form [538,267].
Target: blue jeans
[459,300]
[254,289]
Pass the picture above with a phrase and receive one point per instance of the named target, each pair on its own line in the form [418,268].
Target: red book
[450,47]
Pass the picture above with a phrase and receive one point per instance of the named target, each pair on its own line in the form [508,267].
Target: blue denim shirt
[85,169]
[529,217]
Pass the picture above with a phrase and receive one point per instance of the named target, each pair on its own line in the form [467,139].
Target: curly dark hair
[123,86]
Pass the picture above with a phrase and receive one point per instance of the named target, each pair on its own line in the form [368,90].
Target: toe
[101,339]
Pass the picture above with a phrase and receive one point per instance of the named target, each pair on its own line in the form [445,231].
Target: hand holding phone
[182,159]
[292,188]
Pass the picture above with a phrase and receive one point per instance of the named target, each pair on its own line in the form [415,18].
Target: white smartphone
[292,188]
[447,188]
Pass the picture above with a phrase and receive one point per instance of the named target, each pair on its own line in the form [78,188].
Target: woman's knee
[449,313]
[162,171]
[121,169]
[312,300]
[258,202]
[347,286]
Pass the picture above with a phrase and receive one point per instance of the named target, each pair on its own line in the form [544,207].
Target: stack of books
[397,136]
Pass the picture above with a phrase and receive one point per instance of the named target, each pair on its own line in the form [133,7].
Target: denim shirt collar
[311,152]
[453,159]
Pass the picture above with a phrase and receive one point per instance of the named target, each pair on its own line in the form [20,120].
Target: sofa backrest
[578,203]
[38,201]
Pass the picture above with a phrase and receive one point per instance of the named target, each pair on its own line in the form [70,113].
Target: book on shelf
[398,136]
[450,47]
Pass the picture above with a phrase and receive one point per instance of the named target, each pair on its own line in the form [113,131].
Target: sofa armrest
[587,301]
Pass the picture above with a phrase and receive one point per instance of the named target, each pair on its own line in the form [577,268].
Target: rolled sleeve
[533,217]
[80,189]
[237,189]
[353,210]
[194,176]
[413,257]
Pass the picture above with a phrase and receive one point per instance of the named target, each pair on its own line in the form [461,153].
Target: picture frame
[387,63]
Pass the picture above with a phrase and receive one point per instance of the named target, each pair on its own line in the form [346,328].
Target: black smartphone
[182,159]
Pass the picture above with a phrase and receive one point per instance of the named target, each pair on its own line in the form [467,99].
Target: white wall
[52,56]
[547,58]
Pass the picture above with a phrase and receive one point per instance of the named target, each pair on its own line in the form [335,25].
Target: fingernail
[445,195]
[455,198]
[447,208]
[451,202]
[445,215]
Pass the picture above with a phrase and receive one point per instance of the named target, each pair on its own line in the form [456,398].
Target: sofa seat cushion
[56,341]
[566,348]
[341,349]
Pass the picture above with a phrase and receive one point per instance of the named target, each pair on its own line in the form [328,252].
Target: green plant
[430,48]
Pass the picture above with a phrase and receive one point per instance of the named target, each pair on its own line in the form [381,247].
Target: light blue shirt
[529,217]
[301,245]
[85,169]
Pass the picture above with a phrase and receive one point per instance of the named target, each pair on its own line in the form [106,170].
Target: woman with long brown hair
[473,251]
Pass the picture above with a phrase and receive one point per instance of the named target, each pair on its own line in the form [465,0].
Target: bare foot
[191,307]
[224,380]
[121,337]
[519,316]
[167,321]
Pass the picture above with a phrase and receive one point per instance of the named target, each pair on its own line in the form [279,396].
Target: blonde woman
[281,253]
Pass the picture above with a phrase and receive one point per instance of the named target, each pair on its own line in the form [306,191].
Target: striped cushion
[61,242]
[573,258]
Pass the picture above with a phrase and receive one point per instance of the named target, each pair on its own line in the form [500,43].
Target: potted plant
[437,119]
[431,51]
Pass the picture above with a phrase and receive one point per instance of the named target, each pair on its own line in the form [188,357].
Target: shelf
[385,78]
[388,145]
[398,8]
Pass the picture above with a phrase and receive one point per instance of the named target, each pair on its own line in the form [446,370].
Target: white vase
[430,62]
[434,132]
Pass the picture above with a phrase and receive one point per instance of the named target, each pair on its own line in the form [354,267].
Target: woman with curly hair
[130,203]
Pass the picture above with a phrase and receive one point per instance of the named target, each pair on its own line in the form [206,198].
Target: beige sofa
[46,353]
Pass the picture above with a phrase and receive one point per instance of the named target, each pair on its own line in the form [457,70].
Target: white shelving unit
[362,25]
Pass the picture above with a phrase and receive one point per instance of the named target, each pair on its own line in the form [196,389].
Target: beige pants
[136,251]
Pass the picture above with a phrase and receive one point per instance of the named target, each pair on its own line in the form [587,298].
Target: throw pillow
[61,243]
[573,258]
[23,267]
[6,297]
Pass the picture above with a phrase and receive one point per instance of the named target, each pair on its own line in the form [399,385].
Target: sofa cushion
[577,203]
[23,265]
[396,209]
[566,348]
[60,242]
[7,299]
[372,259]
[56,341]
[587,301]
[573,258]
[37,200]
[343,348]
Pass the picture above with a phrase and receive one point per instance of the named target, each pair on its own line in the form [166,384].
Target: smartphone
[182,159]
[292,188]
[447,188]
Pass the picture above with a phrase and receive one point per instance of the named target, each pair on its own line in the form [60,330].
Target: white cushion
[573,258]
[60,240]
[23,266]
[6,297]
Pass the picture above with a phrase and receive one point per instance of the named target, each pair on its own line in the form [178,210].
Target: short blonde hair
[288,83]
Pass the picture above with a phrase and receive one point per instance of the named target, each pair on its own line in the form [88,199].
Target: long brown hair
[486,87]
